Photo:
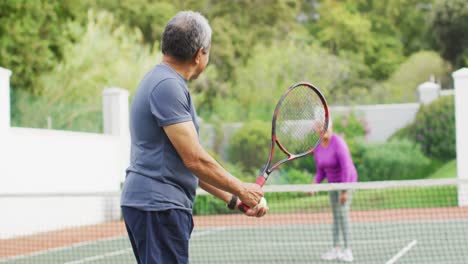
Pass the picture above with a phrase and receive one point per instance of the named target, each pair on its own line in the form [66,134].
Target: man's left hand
[255,211]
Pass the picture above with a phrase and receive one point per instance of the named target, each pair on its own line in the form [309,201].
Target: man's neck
[183,68]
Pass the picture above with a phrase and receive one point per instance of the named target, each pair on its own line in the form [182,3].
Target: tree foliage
[403,83]
[32,37]
[450,27]
[71,93]
[356,51]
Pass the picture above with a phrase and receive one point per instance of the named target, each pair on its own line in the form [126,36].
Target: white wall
[383,120]
[36,162]
[47,161]
[58,161]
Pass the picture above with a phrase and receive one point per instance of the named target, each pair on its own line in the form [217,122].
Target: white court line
[318,243]
[209,231]
[43,252]
[128,250]
[402,252]
[98,257]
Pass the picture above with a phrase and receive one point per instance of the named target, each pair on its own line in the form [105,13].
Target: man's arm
[184,138]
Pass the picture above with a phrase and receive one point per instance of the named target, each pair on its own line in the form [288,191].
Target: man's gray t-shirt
[157,179]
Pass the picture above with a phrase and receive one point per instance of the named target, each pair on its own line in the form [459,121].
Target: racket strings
[300,120]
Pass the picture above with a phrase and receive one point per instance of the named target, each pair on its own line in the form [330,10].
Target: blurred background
[70,69]
[64,53]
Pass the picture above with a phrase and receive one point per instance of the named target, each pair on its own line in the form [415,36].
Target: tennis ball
[262,203]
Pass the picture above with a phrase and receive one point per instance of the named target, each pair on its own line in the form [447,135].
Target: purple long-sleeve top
[334,162]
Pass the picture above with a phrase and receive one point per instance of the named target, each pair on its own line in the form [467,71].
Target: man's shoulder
[161,79]
[161,74]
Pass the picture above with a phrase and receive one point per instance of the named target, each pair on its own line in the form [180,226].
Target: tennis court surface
[391,222]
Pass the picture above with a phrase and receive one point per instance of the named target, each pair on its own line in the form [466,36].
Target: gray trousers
[340,217]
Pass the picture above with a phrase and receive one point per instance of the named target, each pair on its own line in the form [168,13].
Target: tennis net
[417,221]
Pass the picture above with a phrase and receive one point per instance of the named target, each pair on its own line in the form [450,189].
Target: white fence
[49,161]
[43,161]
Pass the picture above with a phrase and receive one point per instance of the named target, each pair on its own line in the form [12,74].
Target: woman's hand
[311,192]
[343,197]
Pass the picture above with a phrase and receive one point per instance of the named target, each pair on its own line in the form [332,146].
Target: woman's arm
[319,175]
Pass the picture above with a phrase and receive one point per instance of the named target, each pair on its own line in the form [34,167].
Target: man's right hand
[250,194]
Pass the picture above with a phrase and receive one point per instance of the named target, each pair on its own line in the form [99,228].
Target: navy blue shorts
[159,237]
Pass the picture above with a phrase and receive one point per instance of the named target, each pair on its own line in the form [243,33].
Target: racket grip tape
[260,181]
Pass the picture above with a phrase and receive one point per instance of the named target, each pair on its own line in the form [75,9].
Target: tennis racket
[299,122]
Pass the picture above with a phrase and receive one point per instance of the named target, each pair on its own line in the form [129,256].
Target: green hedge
[434,129]
[393,160]
[250,145]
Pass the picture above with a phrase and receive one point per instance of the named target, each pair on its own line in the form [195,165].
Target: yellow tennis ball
[262,203]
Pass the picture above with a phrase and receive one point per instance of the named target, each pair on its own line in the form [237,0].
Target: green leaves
[434,129]
[450,24]
[31,39]
[394,160]
[250,146]
[107,55]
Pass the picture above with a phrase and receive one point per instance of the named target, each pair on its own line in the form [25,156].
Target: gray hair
[185,34]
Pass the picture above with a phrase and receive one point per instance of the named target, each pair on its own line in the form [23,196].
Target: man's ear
[198,55]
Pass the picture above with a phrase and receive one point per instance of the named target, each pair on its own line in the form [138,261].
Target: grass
[392,198]
[378,199]
[449,170]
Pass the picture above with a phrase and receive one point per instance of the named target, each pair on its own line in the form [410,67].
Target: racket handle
[260,181]
[243,208]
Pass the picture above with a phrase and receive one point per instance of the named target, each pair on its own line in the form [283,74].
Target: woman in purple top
[333,161]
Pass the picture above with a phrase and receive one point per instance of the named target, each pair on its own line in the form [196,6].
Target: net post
[460,78]
[115,108]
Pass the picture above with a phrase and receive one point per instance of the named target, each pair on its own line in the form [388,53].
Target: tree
[418,68]
[257,86]
[32,37]
[450,26]
[106,55]
[351,30]
[149,16]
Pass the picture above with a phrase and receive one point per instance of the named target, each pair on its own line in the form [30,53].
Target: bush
[234,169]
[352,128]
[249,146]
[209,205]
[291,175]
[434,129]
[394,160]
